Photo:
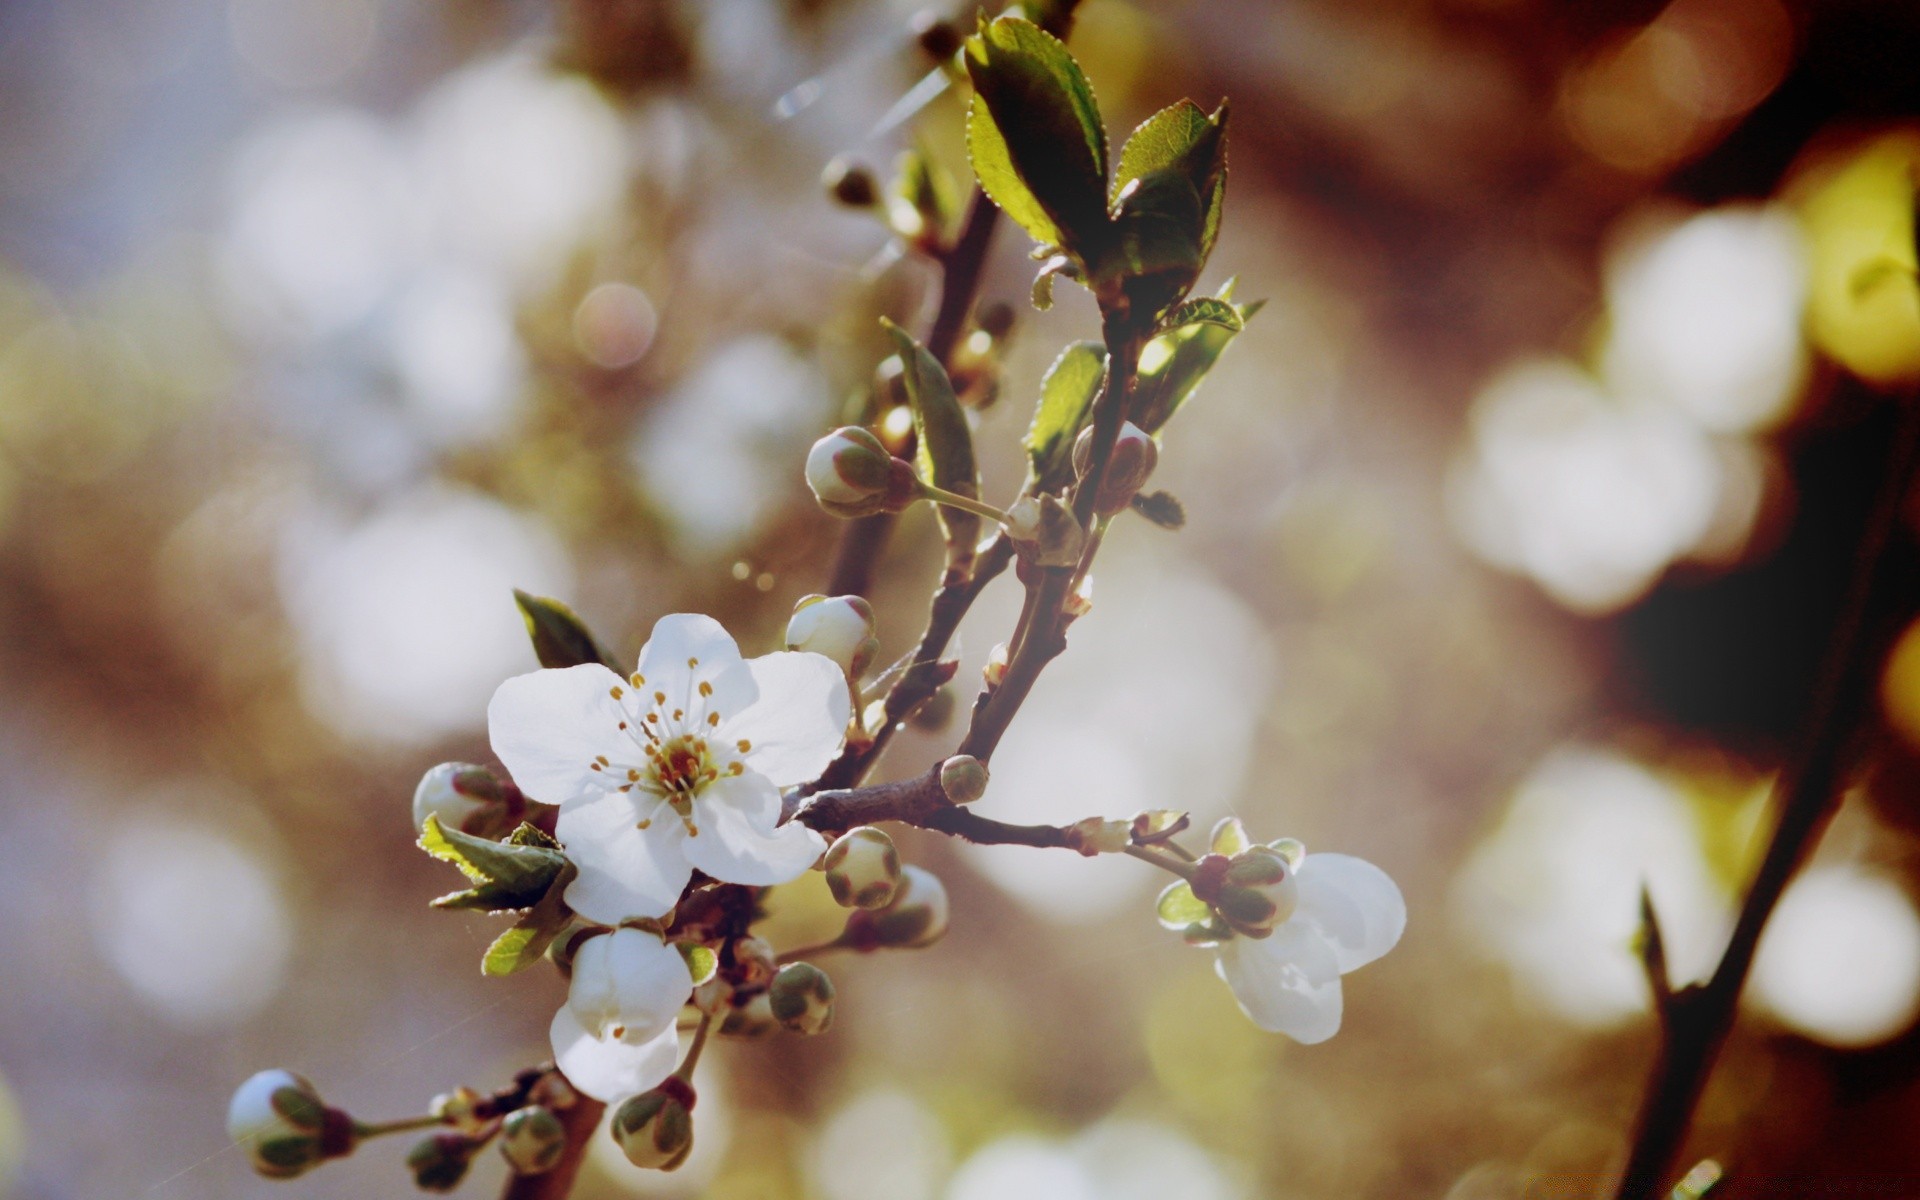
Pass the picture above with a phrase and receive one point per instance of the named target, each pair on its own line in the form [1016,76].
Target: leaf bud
[532,1139]
[996,669]
[850,183]
[439,1161]
[917,917]
[284,1127]
[852,475]
[863,868]
[938,37]
[1135,455]
[467,797]
[1046,530]
[840,627]
[1079,601]
[802,998]
[1096,835]
[963,778]
[655,1129]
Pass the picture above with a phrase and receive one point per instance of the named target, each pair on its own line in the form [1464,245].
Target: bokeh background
[1516,526]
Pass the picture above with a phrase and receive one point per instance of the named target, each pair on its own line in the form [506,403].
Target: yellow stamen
[706,689]
[616,691]
[745,745]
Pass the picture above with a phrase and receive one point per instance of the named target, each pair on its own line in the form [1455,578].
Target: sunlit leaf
[560,638]
[506,875]
[1066,396]
[945,438]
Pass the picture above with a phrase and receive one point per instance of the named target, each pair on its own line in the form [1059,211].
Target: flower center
[676,758]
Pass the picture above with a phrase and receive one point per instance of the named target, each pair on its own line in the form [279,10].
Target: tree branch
[1695,1020]
[920,802]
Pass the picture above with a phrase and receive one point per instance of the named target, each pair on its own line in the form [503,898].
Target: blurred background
[1517,522]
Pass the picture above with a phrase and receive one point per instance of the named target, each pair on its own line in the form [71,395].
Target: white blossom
[616,1034]
[679,766]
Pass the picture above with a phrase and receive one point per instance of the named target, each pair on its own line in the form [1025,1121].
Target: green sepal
[945,439]
[299,1108]
[1174,363]
[702,962]
[1179,908]
[524,943]
[1229,837]
[1292,849]
[1066,397]
[1163,508]
[1202,310]
[560,638]
[513,874]
[1035,136]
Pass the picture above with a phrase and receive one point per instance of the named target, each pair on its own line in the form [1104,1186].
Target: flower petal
[740,840]
[630,981]
[678,637]
[547,726]
[1287,982]
[800,719]
[1352,902]
[624,871]
[606,1068]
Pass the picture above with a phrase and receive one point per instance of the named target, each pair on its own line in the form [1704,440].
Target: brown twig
[920,802]
[1696,1020]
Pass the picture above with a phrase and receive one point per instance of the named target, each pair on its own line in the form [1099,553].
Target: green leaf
[1162,508]
[1157,231]
[1182,139]
[1202,310]
[522,945]
[1035,136]
[560,639]
[1066,396]
[1179,907]
[1173,364]
[924,199]
[946,440]
[506,875]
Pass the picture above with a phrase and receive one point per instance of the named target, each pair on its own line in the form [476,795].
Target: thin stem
[1185,870]
[804,952]
[685,1070]
[978,508]
[403,1125]
[1695,1021]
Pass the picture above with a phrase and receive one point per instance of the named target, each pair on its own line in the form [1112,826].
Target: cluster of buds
[852,475]
[1253,891]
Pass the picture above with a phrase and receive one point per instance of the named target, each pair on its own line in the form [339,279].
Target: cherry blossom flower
[616,1035]
[1323,916]
[678,766]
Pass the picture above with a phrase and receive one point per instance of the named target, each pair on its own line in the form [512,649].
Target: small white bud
[532,1139]
[1046,530]
[917,917]
[1135,454]
[996,669]
[801,997]
[963,778]
[852,475]
[467,797]
[655,1129]
[284,1127]
[863,868]
[840,627]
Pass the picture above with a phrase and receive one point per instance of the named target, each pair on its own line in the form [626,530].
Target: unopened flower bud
[439,1161]
[963,778]
[754,962]
[852,475]
[1046,531]
[655,1129]
[1096,835]
[466,797]
[1258,891]
[459,1108]
[284,1127]
[750,1019]
[917,917]
[996,669]
[840,627]
[713,997]
[863,868]
[802,998]
[937,36]
[1135,454]
[850,183]
[532,1139]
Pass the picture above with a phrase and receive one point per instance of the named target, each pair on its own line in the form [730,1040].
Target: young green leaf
[1035,136]
[1202,310]
[946,440]
[923,200]
[522,944]
[506,875]
[1174,363]
[1066,396]
[1162,508]
[560,639]
[1183,139]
